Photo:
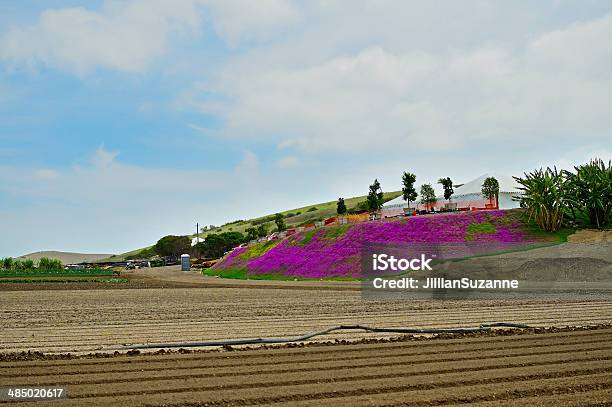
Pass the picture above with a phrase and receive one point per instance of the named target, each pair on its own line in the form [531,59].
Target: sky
[124,121]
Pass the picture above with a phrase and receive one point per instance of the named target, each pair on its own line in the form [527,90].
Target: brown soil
[562,368]
[591,236]
[558,367]
[93,320]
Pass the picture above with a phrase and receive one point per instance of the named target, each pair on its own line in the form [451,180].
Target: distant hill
[65,257]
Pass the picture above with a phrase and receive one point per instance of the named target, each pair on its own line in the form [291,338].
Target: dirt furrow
[225,368]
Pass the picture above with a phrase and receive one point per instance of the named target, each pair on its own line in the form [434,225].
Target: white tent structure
[472,192]
[466,196]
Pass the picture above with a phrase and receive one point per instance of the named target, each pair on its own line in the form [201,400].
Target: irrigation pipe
[258,341]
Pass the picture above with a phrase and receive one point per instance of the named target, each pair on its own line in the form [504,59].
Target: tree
[447,184]
[217,244]
[279,219]
[409,194]
[251,233]
[490,189]
[428,195]
[375,197]
[173,246]
[262,230]
[341,207]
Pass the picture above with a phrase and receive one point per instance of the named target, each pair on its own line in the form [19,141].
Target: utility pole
[198,237]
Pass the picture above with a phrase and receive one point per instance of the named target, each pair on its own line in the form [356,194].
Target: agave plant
[545,197]
[590,190]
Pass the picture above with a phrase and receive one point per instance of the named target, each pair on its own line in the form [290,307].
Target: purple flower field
[335,252]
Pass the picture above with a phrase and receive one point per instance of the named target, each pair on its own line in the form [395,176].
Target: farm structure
[467,196]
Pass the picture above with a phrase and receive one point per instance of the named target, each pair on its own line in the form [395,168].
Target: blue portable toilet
[185,262]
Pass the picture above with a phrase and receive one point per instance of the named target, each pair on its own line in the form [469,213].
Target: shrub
[262,230]
[7,263]
[545,197]
[251,233]
[590,190]
[263,220]
[359,208]
[314,208]
[48,264]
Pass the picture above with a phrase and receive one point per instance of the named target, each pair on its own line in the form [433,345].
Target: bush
[590,190]
[251,233]
[545,197]
[260,221]
[7,263]
[48,264]
[361,207]
[262,230]
[313,209]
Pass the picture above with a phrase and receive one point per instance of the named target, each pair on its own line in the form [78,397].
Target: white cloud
[114,206]
[121,36]
[129,35]
[237,20]
[553,87]
[288,162]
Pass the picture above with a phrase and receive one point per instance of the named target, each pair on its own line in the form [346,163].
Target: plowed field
[92,320]
[562,368]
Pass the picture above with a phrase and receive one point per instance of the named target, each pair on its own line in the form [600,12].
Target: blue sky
[121,122]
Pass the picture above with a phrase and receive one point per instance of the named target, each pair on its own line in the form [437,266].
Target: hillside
[336,251]
[298,216]
[65,257]
[293,217]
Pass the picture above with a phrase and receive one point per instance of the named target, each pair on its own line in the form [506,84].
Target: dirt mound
[591,236]
[566,269]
